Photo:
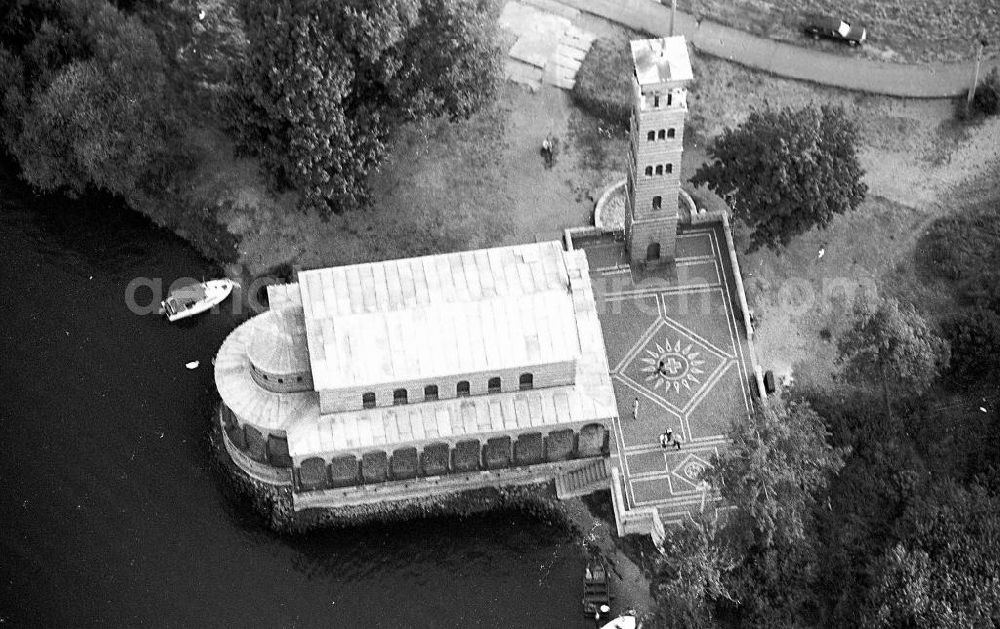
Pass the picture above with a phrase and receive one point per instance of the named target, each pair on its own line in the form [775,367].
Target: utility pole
[975,74]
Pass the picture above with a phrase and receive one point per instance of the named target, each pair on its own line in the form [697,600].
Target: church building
[419,376]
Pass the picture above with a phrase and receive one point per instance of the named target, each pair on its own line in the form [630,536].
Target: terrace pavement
[683,315]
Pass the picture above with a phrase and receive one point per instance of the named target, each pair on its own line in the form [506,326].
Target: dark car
[818,26]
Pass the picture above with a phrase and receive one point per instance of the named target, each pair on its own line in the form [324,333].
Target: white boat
[196,298]
[625,621]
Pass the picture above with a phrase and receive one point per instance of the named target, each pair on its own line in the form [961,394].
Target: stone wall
[336,498]
[257,470]
[441,458]
[268,449]
[274,503]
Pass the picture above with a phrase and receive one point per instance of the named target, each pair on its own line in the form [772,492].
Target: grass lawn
[898,30]
[916,159]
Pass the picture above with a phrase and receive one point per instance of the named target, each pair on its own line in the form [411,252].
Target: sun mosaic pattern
[672,366]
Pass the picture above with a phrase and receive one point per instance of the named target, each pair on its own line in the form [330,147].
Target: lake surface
[110,512]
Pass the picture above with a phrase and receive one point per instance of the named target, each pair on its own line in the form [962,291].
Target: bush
[985,101]
[604,82]
[987,97]
[975,345]
[963,247]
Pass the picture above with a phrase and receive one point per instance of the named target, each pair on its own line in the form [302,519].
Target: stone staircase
[588,479]
[548,48]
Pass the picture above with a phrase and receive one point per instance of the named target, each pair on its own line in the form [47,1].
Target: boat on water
[194,299]
[596,595]
[625,621]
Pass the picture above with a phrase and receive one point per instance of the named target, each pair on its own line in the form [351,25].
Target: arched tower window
[653,252]
[368,400]
[430,392]
[670,168]
[650,136]
[399,396]
[659,169]
[526,382]
[493,386]
[662,134]
[671,133]
[462,390]
[649,171]
[657,202]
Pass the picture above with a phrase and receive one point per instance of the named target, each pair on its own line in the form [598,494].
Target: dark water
[110,513]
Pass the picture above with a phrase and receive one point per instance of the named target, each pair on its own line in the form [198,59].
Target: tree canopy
[785,171]
[778,462]
[891,346]
[691,574]
[776,468]
[945,569]
[326,81]
[84,102]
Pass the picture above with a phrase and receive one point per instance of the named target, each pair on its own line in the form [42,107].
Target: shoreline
[574,517]
[200,228]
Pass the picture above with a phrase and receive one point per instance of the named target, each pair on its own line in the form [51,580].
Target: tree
[775,470]
[690,576]
[891,346]
[295,96]
[326,81]
[85,103]
[784,172]
[453,61]
[777,463]
[945,570]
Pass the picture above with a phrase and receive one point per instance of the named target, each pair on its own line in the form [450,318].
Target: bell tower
[662,73]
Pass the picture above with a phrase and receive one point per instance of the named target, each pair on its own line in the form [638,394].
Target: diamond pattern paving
[672,367]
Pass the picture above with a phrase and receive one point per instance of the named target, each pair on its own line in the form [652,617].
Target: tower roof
[661,60]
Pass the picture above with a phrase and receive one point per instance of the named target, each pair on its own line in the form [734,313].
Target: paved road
[930,80]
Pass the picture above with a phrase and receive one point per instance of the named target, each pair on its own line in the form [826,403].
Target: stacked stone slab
[662,73]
